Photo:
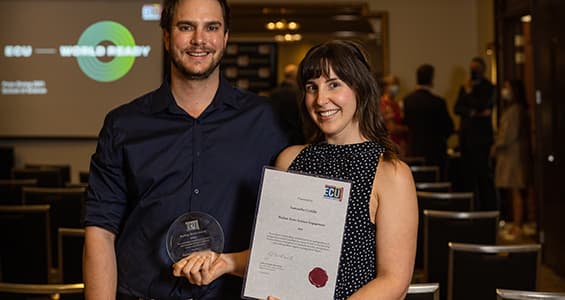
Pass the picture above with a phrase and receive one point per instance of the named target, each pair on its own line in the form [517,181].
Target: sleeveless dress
[356,163]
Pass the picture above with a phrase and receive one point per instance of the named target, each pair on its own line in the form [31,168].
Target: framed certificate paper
[297,237]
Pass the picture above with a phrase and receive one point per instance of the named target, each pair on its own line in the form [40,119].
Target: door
[548,33]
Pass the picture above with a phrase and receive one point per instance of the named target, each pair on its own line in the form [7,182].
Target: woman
[340,108]
[513,152]
[392,112]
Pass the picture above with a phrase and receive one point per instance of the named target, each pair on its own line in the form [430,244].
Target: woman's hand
[201,268]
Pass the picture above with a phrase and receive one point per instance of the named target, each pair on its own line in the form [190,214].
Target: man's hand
[201,268]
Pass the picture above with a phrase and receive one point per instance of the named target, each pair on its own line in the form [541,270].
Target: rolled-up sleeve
[106,199]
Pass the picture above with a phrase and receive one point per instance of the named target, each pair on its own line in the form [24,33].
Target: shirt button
[198,153]
[196,191]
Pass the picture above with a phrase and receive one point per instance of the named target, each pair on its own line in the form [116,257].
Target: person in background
[513,153]
[194,144]
[429,124]
[474,105]
[393,113]
[285,101]
[339,104]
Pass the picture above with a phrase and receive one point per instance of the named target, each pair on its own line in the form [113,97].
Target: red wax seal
[318,277]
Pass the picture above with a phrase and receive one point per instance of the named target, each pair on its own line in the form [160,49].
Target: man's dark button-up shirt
[154,162]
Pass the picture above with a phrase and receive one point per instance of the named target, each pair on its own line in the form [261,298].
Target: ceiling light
[280,25]
[292,25]
[526,18]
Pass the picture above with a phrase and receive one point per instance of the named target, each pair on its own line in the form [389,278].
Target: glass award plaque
[192,232]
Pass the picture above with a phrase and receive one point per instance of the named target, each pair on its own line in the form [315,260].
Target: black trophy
[192,232]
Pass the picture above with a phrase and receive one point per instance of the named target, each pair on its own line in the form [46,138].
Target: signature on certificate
[274,254]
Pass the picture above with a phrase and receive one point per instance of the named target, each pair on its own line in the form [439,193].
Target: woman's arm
[396,219]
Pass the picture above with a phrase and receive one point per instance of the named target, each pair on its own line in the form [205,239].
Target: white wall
[445,33]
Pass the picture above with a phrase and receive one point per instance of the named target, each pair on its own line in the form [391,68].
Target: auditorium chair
[25,250]
[423,291]
[453,201]
[66,208]
[476,271]
[11,190]
[425,173]
[442,227]
[504,294]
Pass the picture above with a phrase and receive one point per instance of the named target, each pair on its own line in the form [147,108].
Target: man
[285,101]
[429,123]
[474,105]
[194,144]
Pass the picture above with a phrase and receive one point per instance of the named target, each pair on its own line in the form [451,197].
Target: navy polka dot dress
[356,163]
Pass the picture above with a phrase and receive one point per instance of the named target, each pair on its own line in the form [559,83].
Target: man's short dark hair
[425,74]
[170,6]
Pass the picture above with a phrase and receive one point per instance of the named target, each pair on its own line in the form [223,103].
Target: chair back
[452,201]
[414,160]
[11,190]
[438,187]
[503,294]
[83,176]
[425,173]
[70,248]
[442,227]
[66,208]
[6,161]
[27,291]
[476,271]
[64,170]
[455,201]
[25,251]
[423,291]
[46,177]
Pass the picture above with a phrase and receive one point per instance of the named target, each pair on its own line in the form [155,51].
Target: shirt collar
[163,97]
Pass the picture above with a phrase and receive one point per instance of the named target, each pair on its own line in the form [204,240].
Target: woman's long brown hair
[350,64]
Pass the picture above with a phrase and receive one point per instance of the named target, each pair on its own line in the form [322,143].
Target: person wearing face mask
[513,153]
[474,105]
[393,113]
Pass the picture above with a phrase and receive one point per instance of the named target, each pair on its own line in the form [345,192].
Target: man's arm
[447,122]
[462,107]
[99,264]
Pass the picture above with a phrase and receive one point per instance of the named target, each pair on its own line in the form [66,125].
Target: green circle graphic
[114,69]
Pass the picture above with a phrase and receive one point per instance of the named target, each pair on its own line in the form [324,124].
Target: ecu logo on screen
[106,51]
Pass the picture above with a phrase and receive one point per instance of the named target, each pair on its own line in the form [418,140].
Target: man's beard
[187,74]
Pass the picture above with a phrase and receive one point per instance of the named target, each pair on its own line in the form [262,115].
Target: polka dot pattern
[356,163]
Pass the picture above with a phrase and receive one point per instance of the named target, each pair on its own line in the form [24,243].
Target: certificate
[297,237]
